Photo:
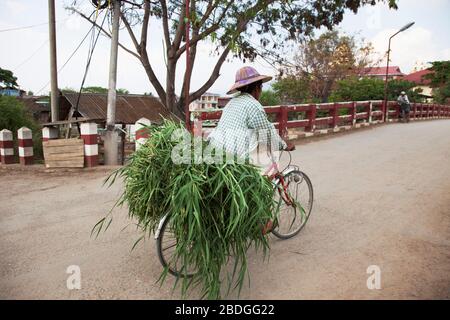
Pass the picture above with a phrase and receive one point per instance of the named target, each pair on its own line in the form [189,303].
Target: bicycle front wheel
[294,200]
[166,246]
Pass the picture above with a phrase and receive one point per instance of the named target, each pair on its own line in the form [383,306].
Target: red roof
[416,77]
[381,71]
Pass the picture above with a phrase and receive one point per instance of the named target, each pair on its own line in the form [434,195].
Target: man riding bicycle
[405,106]
[243,128]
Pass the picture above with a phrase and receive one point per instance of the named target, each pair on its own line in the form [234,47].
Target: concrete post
[141,132]
[25,146]
[198,125]
[90,137]
[49,133]
[6,147]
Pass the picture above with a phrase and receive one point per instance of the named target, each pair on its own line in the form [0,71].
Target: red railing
[331,115]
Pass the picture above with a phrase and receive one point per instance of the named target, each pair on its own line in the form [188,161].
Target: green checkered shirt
[243,125]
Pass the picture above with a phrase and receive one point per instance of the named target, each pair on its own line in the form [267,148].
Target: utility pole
[54,102]
[111,147]
[188,66]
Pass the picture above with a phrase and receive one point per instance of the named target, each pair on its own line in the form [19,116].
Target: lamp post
[385,113]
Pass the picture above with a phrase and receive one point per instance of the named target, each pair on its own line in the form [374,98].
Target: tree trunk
[171,99]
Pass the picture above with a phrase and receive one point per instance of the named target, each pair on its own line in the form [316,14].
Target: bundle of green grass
[217,210]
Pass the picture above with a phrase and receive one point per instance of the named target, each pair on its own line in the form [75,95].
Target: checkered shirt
[243,125]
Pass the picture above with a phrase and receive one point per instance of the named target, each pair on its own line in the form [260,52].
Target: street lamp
[387,67]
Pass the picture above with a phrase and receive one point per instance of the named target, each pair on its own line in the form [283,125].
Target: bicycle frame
[277,177]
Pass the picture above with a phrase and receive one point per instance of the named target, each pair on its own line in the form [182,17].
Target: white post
[49,133]
[25,146]
[6,147]
[90,136]
[141,132]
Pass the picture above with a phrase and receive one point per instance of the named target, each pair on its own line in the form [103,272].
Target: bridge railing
[311,117]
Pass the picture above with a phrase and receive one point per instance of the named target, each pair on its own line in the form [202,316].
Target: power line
[31,26]
[91,52]
[30,57]
[68,59]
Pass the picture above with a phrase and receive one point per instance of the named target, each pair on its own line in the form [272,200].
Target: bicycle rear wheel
[294,198]
[166,245]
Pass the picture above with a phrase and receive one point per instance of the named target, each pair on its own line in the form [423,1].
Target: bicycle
[287,205]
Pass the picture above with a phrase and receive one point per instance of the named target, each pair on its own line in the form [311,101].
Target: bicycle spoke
[297,194]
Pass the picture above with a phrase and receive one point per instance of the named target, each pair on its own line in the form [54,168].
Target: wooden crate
[64,153]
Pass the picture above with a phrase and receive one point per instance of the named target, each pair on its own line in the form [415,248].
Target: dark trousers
[405,109]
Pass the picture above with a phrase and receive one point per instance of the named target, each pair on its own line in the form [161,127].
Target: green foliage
[395,87]
[320,63]
[122,91]
[96,89]
[68,90]
[442,94]
[440,81]
[14,116]
[441,73]
[354,89]
[269,98]
[7,78]
[292,90]
[216,210]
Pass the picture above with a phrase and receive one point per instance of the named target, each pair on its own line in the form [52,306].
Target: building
[206,101]
[380,73]
[129,107]
[10,91]
[39,107]
[421,83]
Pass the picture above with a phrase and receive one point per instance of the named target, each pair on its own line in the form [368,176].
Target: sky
[26,51]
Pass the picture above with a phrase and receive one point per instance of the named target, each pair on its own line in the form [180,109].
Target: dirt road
[382,197]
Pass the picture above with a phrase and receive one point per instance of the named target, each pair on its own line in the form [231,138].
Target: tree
[95,89]
[68,90]
[269,98]
[322,61]
[292,90]
[8,79]
[231,25]
[122,91]
[14,115]
[354,89]
[440,80]
[395,87]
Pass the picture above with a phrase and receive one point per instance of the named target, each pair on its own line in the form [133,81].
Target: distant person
[405,106]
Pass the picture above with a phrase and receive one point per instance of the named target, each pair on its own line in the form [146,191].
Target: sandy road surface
[382,197]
